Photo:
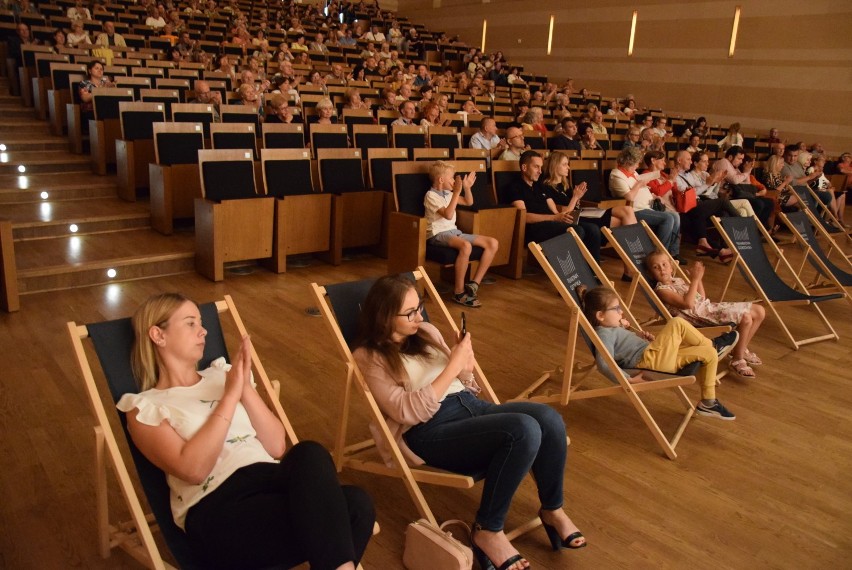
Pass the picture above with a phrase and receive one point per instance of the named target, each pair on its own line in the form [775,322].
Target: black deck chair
[743,236]
[568,264]
[820,211]
[633,244]
[112,341]
[802,224]
[340,305]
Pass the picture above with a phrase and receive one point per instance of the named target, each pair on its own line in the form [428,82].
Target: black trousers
[283,514]
[763,208]
[695,221]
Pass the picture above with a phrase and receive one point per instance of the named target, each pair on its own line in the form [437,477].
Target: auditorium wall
[792,68]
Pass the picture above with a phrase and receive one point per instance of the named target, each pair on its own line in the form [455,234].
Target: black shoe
[680,260]
[725,342]
[557,542]
[485,562]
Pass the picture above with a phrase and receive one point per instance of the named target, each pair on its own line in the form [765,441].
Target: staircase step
[42,162]
[82,261]
[34,220]
[32,126]
[35,143]
[16,188]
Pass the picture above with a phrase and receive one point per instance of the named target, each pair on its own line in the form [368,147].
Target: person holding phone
[427,392]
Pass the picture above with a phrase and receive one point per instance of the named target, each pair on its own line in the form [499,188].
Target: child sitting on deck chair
[440,203]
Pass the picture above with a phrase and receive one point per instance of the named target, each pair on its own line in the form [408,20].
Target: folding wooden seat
[385,117]
[328,137]
[829,277]
[370,136]
[302,216]
[59,93]
[535,140]
[105,128]
[240,114]
[444,137]
[232,221]
[357,215]
[431,154]
[166,97]
[409,137]
[352,117]
[282,135]
[237,136]
[42,80]
[380,164]
[340,306]
[470,154]
[194,113]
[135,149]
[110,344]
[174,176]
[137,84]
[568,264]
[743,237]
[23,75]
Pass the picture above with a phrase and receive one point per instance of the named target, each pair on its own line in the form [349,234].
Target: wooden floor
[770,490]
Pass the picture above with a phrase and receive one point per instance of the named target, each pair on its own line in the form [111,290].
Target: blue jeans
[666,226]
[503,442]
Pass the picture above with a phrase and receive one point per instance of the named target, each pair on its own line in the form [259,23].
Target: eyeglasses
[413,313]
[616,308]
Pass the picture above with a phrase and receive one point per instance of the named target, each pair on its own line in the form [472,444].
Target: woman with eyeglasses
[675,346]
[427,392]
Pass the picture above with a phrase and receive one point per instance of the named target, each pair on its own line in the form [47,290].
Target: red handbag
[684,200]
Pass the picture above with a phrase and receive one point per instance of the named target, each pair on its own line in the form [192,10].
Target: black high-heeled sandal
[482,558]
[557,542]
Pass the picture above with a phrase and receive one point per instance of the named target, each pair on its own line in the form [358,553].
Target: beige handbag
[428,547]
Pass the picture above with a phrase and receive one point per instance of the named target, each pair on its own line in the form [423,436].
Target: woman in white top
[218,444]
[78,37]
[733,138]
[79,12]
[154,19]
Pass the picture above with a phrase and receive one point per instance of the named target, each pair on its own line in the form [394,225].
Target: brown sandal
[741,369]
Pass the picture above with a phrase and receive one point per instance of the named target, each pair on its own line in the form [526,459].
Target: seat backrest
[636,242]
[239,114]
[409,137]
[234,136]
[328,136]
[431,154]
[366,137]
[286,172]
[177,143]
[483,196]
[226,174]
[802,223]
[380,162]
[410,184]
[137,119]
[341,170]
[444,137]
[283,135]
[194,113]
[59,73]
[113,341]
[588,171]
[107,99]
[167,97]
[806,198]
[505,173]
[136,84]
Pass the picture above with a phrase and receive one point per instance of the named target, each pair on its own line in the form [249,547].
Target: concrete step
[74,185]
[84,260]
[38,162]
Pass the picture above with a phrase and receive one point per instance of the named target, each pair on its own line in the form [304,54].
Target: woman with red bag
[696,219]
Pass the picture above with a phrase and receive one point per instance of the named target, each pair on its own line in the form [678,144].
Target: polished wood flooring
[770,490]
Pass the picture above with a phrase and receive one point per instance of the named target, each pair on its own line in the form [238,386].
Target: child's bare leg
[755,319]
[489,247]
[462,261]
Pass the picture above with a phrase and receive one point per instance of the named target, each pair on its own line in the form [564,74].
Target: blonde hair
[773,166]
[438,169]
[553,178]
[325,104]
[144,359]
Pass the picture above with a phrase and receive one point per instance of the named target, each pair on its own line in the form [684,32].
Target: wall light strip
[734,29]
[484,31]
[632,33]
[550,35]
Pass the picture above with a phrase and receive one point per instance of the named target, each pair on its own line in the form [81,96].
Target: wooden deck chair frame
[302,220]
[772,306]
[822,209]
[174,185]
[814,254]
[640,282]
[103,132]
[351,456]
[578,324]
[132,154]
[136,536]
[231,229]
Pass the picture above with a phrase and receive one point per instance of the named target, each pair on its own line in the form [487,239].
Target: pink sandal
[741,369]
[751,358]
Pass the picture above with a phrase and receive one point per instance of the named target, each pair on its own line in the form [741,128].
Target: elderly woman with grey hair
[625,183]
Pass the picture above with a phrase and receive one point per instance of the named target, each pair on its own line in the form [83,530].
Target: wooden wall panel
[791,68]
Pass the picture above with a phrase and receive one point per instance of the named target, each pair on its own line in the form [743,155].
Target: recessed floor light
[111,273]
[73,228]
[44,195]
[22,169]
